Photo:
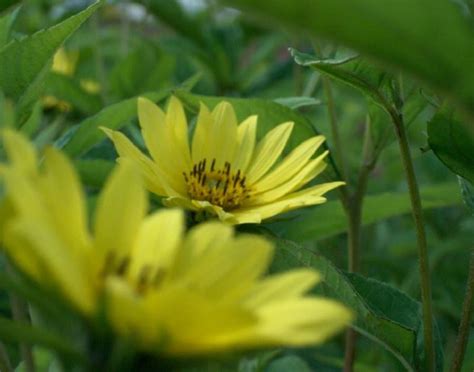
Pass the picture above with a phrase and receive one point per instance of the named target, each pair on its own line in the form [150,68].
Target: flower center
[220,187]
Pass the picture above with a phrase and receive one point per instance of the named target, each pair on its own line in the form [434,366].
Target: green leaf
[467,190]
[12,331]
[24,63]
[329,218]
[6,23]
[352,71]
[114,116]
[453,143]
[94,172]
[405,34]
[269,114]
[143,69]
[288,363]
[297,102]
[68,89]
[384,314]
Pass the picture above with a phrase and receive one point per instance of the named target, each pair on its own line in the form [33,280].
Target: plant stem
[417,213]
[334,125]
[463,332]
[354,217]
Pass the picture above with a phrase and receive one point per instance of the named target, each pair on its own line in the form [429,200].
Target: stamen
[219,186]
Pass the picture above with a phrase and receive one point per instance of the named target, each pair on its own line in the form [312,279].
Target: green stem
[417,213]
[464,325]
[354,216]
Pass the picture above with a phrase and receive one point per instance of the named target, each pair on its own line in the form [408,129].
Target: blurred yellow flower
[225,172]
[168,291]
[64,63]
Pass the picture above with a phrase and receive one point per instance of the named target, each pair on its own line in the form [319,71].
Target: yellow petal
[291,165]
[194,325]
[287,187]
[223,134]
[282,287]
[20,151]
[157,244]
[65,202]
[160,141]
[37,247]
[120,210]
[177,122]
[199,240]
[268,151]
[226,271]
[154,180]
[303,321]
[247,133]
[201,149]
[303,198]
[129,315]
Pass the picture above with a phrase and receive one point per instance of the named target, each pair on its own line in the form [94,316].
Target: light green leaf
[6,23]
[297,102]
[384,314]
[114,116]
[329,219]
[352,71]
[405,34]
[24,63]
[453,143]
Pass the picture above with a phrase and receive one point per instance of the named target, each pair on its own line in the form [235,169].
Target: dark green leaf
[430,39]
[6,22]
[94,172]
[24,63]
[384,314]
[329,219]
[453,144]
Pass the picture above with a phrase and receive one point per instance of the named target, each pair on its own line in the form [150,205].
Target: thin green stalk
[354,217]
[339,154]
[417,213]
[464,325]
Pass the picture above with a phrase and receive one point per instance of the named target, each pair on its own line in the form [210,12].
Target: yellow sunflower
[167,291]
[224,172]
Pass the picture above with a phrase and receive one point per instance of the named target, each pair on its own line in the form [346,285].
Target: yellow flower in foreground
[225,172]
[168,291]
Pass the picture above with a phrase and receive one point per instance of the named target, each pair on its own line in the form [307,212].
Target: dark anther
[123,266]
[213,164]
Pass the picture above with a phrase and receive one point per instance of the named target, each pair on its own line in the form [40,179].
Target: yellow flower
[168,291]
[225,172]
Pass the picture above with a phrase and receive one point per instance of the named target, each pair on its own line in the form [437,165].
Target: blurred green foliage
[203,51]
